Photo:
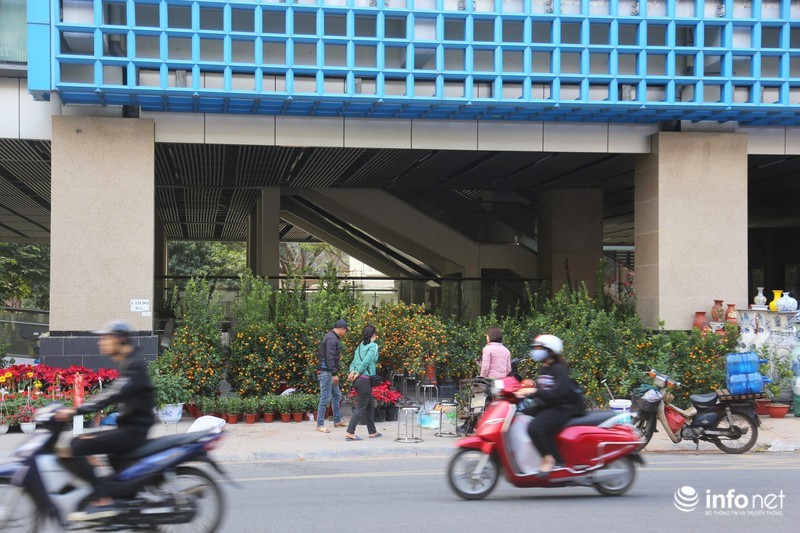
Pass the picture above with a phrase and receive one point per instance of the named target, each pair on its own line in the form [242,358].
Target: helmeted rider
[555,399]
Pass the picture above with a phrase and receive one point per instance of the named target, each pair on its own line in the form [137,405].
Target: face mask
[539,354]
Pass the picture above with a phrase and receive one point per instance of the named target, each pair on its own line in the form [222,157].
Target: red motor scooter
[598,450]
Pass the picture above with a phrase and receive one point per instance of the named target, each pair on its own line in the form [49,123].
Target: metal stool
[406,420]
[404,389]
[427,392]
[445,408]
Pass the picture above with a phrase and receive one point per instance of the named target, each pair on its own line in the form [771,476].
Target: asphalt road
[412,495]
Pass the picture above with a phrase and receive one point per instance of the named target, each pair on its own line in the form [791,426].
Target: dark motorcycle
[728,422]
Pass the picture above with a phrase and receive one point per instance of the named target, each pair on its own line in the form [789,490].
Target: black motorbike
[729,422]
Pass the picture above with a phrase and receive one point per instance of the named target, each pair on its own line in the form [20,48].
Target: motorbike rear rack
[725,396]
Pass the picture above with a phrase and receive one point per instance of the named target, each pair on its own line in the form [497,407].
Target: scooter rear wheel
[620,485]
[464,483]
[744,425]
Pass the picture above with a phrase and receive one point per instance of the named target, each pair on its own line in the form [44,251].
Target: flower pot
[761,407]
[269,417]
[777,410]
[297,417]
[27,427]
[286,417]
[171,413]
[192,408]
[392,413]
[232,418]
[3,429]
[380,414]
[250,419]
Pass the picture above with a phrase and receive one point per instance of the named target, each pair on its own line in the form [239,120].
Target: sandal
[322,429]
[354,437]
[339,425]
[376,435]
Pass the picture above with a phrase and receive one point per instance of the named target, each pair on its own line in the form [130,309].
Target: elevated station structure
[428,138]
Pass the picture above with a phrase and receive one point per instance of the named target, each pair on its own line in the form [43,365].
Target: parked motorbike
[728,422]
[598,450]
[151,485]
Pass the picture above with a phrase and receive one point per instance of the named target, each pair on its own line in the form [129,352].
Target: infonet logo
[730,503]
[686,499]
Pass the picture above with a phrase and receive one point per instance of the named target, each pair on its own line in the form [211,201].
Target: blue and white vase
[786,304]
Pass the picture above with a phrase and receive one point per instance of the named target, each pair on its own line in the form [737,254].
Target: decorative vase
[286,417]
[700,320]
[269,417]
[731,316]
[760,300]
[787,304]
[777,410]
[250,418]
[297,417]
[776,295]
[3,429]
[27,427]
[171,413]
[717,312]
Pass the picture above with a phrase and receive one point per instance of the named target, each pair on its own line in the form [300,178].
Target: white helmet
[551,342]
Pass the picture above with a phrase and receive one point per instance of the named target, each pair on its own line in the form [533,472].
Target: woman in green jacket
[362,369]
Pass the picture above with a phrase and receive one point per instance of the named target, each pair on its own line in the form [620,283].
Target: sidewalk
[299,442]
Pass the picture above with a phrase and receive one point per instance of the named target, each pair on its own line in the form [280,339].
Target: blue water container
[742,363]
[752,383]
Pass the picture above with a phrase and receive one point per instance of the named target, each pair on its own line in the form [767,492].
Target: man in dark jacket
[328,375]
[133,391]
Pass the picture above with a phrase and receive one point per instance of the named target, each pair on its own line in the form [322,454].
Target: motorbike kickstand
[697,446]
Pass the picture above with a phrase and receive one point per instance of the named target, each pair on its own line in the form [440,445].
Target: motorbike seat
[594,418]
[154,446]
[704,400]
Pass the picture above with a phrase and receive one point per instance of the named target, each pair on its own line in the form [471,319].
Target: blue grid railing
[472,59]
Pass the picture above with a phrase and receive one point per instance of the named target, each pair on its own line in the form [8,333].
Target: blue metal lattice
[447,59]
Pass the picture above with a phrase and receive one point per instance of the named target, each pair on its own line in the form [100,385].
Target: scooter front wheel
[463,478]
[618,485]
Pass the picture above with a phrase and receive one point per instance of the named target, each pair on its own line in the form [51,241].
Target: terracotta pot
[700,321]
[192,408]
[761,407]
[777,410]
[731,316]
[286,417]
[250,418]
[232,419]
[297,417]
[269,417]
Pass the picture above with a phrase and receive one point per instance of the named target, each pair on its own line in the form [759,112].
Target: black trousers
[101,443]
[544,428]
[365,411]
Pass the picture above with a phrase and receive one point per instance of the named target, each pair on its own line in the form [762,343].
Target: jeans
[365,412]
[328,390]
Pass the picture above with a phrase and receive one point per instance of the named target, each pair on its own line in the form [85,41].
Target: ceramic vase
[731,316]
[776,295]
[760,299]
[717,312]
[700,321]
[786,304]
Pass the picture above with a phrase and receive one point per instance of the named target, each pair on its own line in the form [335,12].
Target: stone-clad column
[103,227]
[690,213]
[570,236]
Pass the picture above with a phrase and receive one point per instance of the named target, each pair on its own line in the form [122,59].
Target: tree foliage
[25,275]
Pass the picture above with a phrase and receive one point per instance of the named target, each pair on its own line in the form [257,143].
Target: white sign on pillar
[140,305]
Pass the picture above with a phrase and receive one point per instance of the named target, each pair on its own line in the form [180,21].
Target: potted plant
[232,409]
[250,406]
[208,405]
[298,406]
[312,402]
[6,421]
[269,405]
[25,415]
[386,399]
[781,375]
[284,406]
[170,394]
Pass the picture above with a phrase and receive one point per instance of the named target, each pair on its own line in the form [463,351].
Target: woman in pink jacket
[496,359]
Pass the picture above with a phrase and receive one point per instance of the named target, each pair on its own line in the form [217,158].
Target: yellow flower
[2,379]
[30,374]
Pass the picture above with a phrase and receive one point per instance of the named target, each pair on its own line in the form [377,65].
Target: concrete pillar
[690,215]
[252,241]
[570,236]
[102,236]
[267,238]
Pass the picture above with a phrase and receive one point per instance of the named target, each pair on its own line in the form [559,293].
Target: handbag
[374,381]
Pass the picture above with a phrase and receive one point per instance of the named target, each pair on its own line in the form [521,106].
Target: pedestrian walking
[328,375]
[362,374]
